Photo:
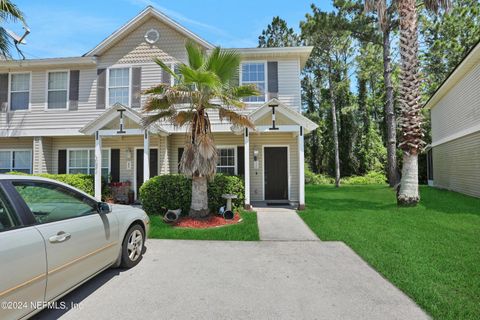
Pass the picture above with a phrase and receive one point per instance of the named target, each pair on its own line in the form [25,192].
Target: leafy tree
[8,12]
[278,34]
[205,79]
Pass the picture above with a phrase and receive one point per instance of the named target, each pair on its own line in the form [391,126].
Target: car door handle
[60,237]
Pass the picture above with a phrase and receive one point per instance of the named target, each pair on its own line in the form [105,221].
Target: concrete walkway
[241,280]
[282,224]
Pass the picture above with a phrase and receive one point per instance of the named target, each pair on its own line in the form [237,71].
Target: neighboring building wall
[456,165]
[459,109]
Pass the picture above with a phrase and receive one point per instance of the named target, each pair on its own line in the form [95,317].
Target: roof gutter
[51,62]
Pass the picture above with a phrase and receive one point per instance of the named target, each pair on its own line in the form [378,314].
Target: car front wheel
[132,247]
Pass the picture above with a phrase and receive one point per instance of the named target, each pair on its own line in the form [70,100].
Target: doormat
[278,204]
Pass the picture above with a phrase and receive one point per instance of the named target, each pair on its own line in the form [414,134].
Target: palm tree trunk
[389,112]
[335,129]
[199,205]
[410,115]
[408,194]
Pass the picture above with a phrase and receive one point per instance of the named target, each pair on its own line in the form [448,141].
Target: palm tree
[8,12]
[207,83]
[410,120]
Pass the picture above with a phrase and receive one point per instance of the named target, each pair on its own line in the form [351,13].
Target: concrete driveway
[241,280]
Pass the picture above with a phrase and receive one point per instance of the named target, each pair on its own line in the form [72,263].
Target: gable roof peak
[131,25]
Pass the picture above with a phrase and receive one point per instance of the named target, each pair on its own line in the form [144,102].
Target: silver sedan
[54,237]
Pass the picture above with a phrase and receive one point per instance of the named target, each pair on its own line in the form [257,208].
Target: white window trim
[107,98]
[235,153]
[90,150]
[10,91]
[265,77]
[67,105]
[11,151]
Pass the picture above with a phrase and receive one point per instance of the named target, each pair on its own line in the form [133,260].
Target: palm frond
[436,5]
[183,117]
[165,67]
[10,12]
[158,89]
[235,118]
[160,115]
[5,44]
[224,63]
[196,56]
[199,77]
[244,91]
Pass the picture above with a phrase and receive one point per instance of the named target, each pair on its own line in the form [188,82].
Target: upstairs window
[254,73]
[57,90]
[16,160]
[226,161]
[119,86]
[19,91]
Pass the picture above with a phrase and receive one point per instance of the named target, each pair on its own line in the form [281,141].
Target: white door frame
[263,167]
[135,167]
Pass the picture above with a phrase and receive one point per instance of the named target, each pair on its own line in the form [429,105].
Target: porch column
[146,156]
[246,161]
[98,166]
[301,170]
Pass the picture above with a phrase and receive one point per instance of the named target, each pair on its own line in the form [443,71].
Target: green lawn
[431,252]
[247,230]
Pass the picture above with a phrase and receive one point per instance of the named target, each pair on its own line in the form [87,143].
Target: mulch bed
[210,222]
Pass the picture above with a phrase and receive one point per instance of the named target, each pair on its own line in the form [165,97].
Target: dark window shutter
[272,70]
[62,161]
[166,77]
[240,161]
[179,157]
[115,165]
[136,87]
[74,87]
[3,92]
[101,88]
[153,162]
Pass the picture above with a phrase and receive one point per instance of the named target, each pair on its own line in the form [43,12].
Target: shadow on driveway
[75,297]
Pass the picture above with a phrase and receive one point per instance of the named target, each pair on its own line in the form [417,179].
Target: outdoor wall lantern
[255,158]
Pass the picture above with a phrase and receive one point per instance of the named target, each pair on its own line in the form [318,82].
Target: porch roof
[113,113]
[280,107]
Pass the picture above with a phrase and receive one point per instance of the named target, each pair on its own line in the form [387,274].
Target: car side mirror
[104,208]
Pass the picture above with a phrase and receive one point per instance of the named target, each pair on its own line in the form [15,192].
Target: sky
[72,28]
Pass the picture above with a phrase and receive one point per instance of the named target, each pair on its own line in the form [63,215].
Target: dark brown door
[276,173]
[153,166]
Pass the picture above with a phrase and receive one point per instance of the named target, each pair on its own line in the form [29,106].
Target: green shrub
[173,191]
[84,182]
[312,178]
[170,191]
[371,177]
[223,184]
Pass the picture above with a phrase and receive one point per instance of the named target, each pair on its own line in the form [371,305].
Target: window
[51,202]
[176,69]
[8,219]
[83,161]
[19,91]
[254,73]
[226,161]
[57,90]
[119,86]
[16,160]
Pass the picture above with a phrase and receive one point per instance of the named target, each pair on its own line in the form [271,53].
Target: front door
[276,173]
[153,166]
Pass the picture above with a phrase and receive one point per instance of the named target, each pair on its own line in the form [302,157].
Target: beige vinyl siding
[16,143]
[456,165]
[256,141]
[459,109]
[133,49]
[38,118]
[289,83]
[42,155]
[280,119]
[122,143]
